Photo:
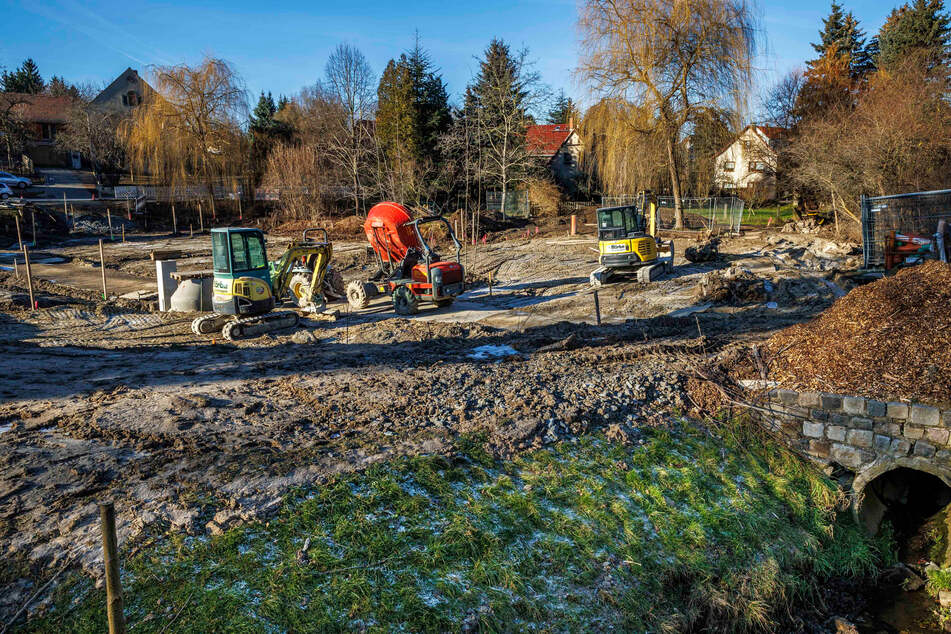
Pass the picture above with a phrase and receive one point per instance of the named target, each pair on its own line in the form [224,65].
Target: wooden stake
[33,219]
[597,308]
[102,266]
[201,220]
[16,269]
[64,205]
[123,233]
[240,212]
[109,218]
[490,283]
[128,209]
[19,237]
[110,552]
[29,276]
[191,231]
[574,224]
[174,221]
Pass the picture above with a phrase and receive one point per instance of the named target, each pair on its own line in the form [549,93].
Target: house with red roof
[748,164]
[559,147]
[43,116]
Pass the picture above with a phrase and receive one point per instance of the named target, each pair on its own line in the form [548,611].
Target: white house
[748,165]
[559,147]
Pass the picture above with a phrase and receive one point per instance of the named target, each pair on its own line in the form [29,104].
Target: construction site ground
[112,399]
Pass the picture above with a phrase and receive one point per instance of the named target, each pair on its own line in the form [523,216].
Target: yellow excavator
[247,288]
[628,242]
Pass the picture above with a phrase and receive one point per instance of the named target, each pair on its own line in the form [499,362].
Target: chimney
[571,124]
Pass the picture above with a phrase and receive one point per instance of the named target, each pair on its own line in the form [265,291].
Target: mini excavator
[247,288]
[628,242]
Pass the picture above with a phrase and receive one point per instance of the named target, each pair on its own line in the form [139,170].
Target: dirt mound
[890,339]
[349,226]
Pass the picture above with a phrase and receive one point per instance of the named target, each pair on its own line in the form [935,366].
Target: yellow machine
[628,243]
[247,287]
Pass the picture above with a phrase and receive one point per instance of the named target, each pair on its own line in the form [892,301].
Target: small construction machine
[409,270]
[628,242]
[247,287]
[906,249]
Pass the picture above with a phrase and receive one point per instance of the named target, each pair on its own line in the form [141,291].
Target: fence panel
[916,213]
[715,214]
[516,203]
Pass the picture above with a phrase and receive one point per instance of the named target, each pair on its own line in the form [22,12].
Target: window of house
[125,100]
[48,131]
[729,166]
[569,159]
[132,98]
[757,166]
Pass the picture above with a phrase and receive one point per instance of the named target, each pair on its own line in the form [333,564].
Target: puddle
[5,428]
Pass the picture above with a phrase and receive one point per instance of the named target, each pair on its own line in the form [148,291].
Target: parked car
[10,180]
[5,191]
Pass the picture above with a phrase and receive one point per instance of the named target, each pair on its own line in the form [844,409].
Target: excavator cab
[627,241]
[242,283]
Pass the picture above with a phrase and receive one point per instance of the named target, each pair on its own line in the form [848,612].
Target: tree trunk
[675,184]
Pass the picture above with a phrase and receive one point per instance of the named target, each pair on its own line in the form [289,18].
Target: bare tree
[350,80]
[13,128]
[191,129]
[672,56]
[779,105]
[94,130]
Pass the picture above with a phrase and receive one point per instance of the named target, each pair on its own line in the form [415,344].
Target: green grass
[761,216]
[689,529]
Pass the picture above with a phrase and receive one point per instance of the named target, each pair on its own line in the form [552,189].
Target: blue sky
[281,46]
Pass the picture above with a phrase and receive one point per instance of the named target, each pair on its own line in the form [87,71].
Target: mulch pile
[889,340]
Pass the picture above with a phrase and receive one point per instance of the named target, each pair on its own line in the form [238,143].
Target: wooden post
[128,209]
[109,218]
[574,224]
[102,267]
[597,308]
[201,220]
[71,217]
[240,211]
[191,231]
[490,283]
[19,237]
[123,233]
[174,221]
[64,206]
[29,276]
[110,553]
[33,220]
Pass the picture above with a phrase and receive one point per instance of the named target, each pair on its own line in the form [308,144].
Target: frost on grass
[676,532]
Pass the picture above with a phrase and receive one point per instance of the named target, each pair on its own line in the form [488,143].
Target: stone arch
[868,508]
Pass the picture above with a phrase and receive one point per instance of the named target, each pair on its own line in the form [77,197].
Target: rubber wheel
[442,303]
[298,286]
[333,284]
[404,301]
[357,295]
[21,185]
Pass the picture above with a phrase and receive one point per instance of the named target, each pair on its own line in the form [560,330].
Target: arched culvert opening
[904,497]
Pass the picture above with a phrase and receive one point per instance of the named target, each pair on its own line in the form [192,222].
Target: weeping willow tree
[189,131]
[623,151]
[673,57]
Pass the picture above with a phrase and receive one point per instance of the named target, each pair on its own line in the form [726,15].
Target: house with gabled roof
[558,145]
[126,91]
[749,163]
[43,117]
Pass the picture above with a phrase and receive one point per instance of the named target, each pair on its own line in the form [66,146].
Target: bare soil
[111,400]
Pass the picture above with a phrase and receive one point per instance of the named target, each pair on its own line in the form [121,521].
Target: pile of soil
[890,339]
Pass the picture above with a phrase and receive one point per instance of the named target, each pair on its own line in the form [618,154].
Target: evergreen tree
[26,78]
[58,87]
[262,117]
[431,116]
[921,27]
[563,110]
[842,31]
[394,114]
[503,92]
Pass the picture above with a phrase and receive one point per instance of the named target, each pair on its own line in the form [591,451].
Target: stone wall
[858,433]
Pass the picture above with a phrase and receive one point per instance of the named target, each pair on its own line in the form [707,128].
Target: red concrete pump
[410,270]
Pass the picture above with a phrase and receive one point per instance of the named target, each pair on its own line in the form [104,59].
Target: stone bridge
[892,450]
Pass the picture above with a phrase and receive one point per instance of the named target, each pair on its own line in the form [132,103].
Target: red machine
[901,249]
[409,269]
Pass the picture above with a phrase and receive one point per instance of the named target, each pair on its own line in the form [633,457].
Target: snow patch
[492,352]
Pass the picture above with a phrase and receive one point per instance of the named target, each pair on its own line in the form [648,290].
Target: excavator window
[219,248]
[617,222]
[256,251]
[247,253]
[239,253]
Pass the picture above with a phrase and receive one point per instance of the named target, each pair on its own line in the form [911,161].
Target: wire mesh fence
[916,213]
[516,203]
[716,214]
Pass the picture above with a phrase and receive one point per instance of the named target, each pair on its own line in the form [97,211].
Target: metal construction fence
[716,214]
[916,213]
[178,194]
[516,203]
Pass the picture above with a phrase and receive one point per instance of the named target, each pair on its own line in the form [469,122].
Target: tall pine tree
[563,110]
[26,78]
[842,31]
[918,28]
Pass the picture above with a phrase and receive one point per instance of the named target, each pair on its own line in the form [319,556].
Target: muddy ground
[111,400]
